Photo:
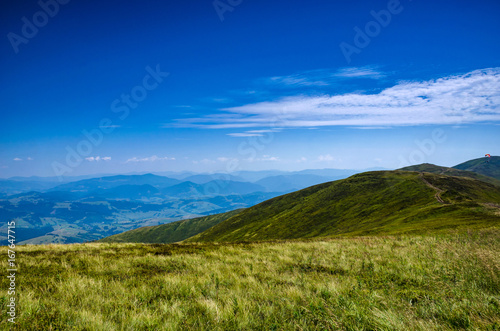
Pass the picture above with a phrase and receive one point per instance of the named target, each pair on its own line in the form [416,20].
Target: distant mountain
[253,176]
[427,167]
[9,187]
[183,190]
[171,232]
[332,174]
[203,178]
[129,192]
[90,185]
[56,179]
[383,202]
[485,166]
[221,187]
[289,183]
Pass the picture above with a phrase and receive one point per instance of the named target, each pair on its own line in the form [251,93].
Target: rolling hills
[383,202]
[171,232]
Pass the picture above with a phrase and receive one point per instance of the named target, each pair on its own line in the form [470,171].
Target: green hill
[171,232]
[427,167]
[484,166]
[382,202]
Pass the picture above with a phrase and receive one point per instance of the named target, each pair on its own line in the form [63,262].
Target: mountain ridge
[487,166]
[367,203]
[450,171]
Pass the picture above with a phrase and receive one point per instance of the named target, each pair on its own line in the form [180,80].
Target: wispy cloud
[360,72]
[326,157]
[323,77]
[245,134]
[254,133]
[98,158]
[18,159]
[153,158]
[204,161]
[298,80]
[459,99]
[264,158]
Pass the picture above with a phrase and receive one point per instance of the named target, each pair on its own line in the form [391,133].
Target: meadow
[425,282]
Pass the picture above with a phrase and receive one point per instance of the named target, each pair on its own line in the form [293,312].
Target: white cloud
[245,134]
[360,72]
[459,99]
[98,158]
[264,131]
[153,158]
[296,80]
[268,158]
[324,77]
[207,161]
[17,159]
[326,158]
[254,133]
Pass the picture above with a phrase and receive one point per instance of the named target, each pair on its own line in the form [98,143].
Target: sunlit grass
[403,283]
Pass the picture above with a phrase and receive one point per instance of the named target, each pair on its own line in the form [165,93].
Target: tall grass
[369,283]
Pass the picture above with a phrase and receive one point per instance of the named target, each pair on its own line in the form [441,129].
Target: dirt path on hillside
[437,189]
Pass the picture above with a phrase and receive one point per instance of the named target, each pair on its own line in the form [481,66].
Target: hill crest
[368,203]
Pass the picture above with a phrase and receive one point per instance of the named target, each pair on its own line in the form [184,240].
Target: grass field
[438,282]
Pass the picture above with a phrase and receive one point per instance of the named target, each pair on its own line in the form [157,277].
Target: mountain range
[414,199]
[273,205]
[84,209]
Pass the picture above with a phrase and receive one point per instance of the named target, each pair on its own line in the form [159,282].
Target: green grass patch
[436,282]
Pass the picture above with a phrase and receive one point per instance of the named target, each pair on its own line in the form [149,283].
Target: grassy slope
[171,232]
[381,202]
[427,167]
[444,282]
[482,166]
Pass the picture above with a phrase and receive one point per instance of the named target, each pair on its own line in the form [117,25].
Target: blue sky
[121,86]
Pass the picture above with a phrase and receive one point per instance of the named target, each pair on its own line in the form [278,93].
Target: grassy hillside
[482,166]
[445,282]
[382,202]
[427,167]
[171,232]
